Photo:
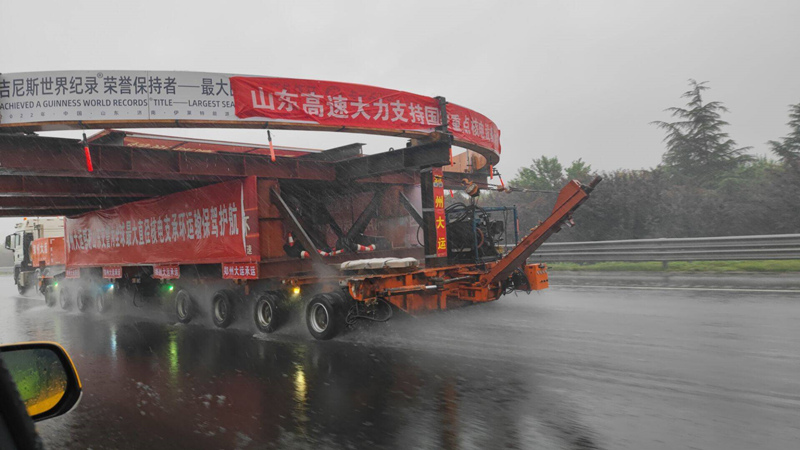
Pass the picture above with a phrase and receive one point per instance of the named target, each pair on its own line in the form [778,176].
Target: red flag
[87,154]
[271,149]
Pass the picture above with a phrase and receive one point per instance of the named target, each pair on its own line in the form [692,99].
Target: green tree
[788,150]
[697,147]
[545,173]
[579,170]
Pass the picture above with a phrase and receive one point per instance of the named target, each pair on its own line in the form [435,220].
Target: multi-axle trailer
[252,230]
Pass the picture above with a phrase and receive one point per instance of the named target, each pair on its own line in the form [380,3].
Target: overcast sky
[573,79]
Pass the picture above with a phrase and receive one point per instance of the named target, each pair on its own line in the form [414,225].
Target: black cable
[354,314]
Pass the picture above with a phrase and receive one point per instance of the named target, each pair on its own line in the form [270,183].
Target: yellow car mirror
[45,377]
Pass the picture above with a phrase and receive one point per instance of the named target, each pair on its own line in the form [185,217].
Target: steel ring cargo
[43,101]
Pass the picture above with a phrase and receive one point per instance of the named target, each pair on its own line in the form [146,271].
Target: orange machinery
[439,288]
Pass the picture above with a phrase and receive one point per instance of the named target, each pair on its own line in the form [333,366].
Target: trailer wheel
[102,301]
[49,297]
[21,288]
[64,300]
[222,308]
[323,316]
[184,307]
[267,314]
[83,299]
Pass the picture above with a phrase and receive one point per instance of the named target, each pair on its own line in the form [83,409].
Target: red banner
[240,271]
[112,272]
[357,106]
[337,104]
[73,273]
[469,126]
[211,224]
[169,272]
[438,212]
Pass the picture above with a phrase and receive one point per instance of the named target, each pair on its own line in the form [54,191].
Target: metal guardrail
[778,246]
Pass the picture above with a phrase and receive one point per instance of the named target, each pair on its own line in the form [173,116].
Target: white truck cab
[20,242]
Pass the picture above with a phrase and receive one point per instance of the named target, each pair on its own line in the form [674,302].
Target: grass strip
[790,265]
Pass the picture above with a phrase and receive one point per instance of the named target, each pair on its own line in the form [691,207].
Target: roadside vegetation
[683,266]
[706,184]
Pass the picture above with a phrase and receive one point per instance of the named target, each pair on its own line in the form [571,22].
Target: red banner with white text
[211,224]
[357,106]
[439,213]
[469,126]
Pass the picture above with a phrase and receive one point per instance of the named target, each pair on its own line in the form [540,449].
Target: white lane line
[656,288]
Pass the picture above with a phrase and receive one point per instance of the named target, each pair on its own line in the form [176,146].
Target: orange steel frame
[440,288]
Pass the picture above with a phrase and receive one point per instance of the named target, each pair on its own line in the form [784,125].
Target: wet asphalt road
[571,367]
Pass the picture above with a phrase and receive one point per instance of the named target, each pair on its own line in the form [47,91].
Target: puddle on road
[153,384]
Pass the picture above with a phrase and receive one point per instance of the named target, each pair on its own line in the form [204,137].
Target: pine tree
[788,150]
[697,147]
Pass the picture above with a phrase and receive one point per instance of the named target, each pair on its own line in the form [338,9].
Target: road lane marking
[657,288]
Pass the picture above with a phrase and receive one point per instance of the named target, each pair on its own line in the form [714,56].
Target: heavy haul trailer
[261,244]
[337,229]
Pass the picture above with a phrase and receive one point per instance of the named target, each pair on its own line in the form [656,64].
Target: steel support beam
[336,154]
[62,202]
[36,155]
[43,212]
[366,216]
[296,227]
[40,186]
[411,209]
[415,157]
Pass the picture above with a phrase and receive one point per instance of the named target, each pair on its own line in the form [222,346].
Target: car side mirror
[45,377]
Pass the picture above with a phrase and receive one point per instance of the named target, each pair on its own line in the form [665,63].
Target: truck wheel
[64,300]
[37,279]
[82,300]
[49,297]
[22,289]
[267,313]
[323,316]
[184,307]
[222,308]
[102,302]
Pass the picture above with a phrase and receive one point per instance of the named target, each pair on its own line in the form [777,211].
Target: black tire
[50,296]
[102,301]
[222,308]
[184,306]
[37,278]
[82,300]
[267,313]
[22,289]
[324,316]
[64,299]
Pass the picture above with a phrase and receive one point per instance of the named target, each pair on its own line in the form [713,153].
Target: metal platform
[48,176]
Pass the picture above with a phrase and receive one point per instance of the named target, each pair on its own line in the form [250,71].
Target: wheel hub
[220,310]
[182,307]
[319,318]
[265,314]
